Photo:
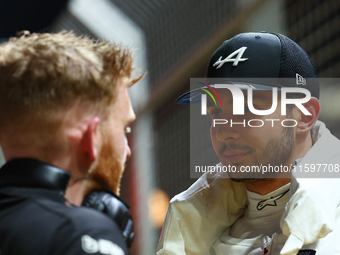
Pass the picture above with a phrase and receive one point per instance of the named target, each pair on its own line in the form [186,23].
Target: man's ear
[91,139]
[306,122]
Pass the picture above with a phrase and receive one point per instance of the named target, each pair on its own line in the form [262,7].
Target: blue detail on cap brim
[193,96]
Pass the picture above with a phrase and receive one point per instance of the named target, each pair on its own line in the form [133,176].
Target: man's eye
[127,130]
[216,113]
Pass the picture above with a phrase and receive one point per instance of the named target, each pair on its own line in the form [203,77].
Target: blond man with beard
[64,110]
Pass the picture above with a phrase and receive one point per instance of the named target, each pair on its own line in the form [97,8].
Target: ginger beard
[108,169]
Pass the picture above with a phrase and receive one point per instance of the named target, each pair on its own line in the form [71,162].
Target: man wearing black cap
[265,129]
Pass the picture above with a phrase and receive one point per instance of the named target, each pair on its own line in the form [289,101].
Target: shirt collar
[274,201]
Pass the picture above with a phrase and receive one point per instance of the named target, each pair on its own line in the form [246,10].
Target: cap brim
[192,96]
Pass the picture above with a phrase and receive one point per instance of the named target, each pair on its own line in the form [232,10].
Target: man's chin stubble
[278,152]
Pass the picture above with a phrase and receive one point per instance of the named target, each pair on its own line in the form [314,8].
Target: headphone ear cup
[116,209]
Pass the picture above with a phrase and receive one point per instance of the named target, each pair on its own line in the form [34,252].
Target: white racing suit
[310,223]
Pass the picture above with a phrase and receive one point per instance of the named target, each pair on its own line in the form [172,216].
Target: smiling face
[240,144]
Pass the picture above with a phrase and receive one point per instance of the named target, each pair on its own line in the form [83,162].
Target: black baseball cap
[264,60]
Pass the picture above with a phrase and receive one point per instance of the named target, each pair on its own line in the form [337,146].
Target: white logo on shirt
[102,246]
[219,63]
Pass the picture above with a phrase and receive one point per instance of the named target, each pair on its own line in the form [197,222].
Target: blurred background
[172,40]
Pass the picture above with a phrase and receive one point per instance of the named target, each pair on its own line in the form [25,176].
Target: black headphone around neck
[108,203]
[35,173]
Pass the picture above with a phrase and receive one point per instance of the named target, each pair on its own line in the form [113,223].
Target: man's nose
[226,132]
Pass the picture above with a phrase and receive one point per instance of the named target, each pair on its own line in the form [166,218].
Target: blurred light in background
[158,206]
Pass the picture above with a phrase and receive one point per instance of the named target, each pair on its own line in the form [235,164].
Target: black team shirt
[34,218]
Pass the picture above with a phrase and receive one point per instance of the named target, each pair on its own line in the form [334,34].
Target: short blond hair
[43,73]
